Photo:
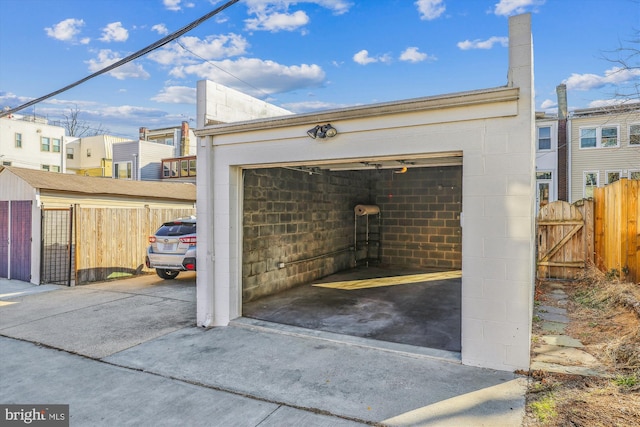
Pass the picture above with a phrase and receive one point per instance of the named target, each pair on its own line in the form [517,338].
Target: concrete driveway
[132,345]
[100,319]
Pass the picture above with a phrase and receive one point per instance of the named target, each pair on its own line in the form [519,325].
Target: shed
[47,219]
[264,229]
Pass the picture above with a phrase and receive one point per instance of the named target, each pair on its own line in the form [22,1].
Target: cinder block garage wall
[421,217]
[302,220]
[307,222]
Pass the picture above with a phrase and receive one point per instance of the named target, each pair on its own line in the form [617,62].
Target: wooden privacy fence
[604,231]
[617,228]
[564,239]
[112,242]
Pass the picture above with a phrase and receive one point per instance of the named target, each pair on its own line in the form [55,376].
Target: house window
[609,137]
[45,167]
[634,135]
[612,176]
[184,168]
[174,169]
[122,170]
[18,140]
[544,175]
[54,168]
[192,168]
[634,174]
[70,153]
[544,138]
[45,144]
[88,152]
[590,183]
[599,137]
[55,145]
[6,163]
[166,170]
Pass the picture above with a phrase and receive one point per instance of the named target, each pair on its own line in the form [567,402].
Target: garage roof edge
[459,99]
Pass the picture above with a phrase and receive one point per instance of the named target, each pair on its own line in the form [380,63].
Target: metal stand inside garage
[367,233]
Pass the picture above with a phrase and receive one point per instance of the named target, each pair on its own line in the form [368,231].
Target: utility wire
[129,58]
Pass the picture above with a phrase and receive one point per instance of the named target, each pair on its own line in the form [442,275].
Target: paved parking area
[128,352]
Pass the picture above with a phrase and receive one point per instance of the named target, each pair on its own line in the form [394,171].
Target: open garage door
[303,248]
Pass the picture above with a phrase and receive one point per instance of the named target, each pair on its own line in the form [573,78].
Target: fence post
[600,205]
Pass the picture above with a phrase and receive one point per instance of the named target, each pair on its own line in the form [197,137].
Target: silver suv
[173,248]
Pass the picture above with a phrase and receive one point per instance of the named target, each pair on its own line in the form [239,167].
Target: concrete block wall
[302,220]
[421,217]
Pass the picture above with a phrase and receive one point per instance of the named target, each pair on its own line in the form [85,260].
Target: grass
[544,409]
[626,381]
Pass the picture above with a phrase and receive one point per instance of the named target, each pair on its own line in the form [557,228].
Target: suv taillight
[188,240]
[152,239]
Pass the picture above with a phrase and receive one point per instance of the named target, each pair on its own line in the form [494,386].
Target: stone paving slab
[561,340]
[554,327]
[553,317]
[571,370]
[551,309]
[564,355]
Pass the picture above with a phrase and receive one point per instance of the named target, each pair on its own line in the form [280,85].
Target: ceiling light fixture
[324,131]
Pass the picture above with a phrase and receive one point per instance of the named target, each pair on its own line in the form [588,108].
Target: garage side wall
[297,227]
[421,217]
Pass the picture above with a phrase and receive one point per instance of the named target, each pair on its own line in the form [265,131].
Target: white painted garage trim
[494,131]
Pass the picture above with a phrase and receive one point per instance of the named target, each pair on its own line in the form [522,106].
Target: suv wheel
[167,274]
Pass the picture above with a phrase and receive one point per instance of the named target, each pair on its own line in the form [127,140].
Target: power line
[129,58]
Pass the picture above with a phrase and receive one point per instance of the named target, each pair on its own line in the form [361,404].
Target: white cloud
[195,49]
[65,30]
[548,103]
[176,95]
[13,100]
[256,77]
[411,54]
[160,29]
[430,9]
[611,102]
[107,57]
[513,7]
[613,76]
[114,32]
[278,21]
[363,58]
[176,5]
[483,44]
[274,15]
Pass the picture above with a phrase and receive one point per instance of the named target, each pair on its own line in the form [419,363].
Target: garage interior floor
[414,307]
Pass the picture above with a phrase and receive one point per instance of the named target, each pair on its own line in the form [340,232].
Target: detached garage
[441,184]
[68,229]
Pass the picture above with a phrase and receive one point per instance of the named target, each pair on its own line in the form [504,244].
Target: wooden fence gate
[565,239]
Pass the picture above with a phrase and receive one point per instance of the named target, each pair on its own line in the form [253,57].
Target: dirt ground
[603,317]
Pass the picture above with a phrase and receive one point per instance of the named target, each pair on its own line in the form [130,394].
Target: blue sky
[304,55]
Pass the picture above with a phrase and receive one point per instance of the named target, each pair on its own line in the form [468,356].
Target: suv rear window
[176,229]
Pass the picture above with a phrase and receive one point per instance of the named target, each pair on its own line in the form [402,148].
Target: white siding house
[139,160]
[31,142]
[605,146]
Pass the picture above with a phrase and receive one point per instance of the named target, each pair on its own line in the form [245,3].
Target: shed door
[4,239]
[20,255]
